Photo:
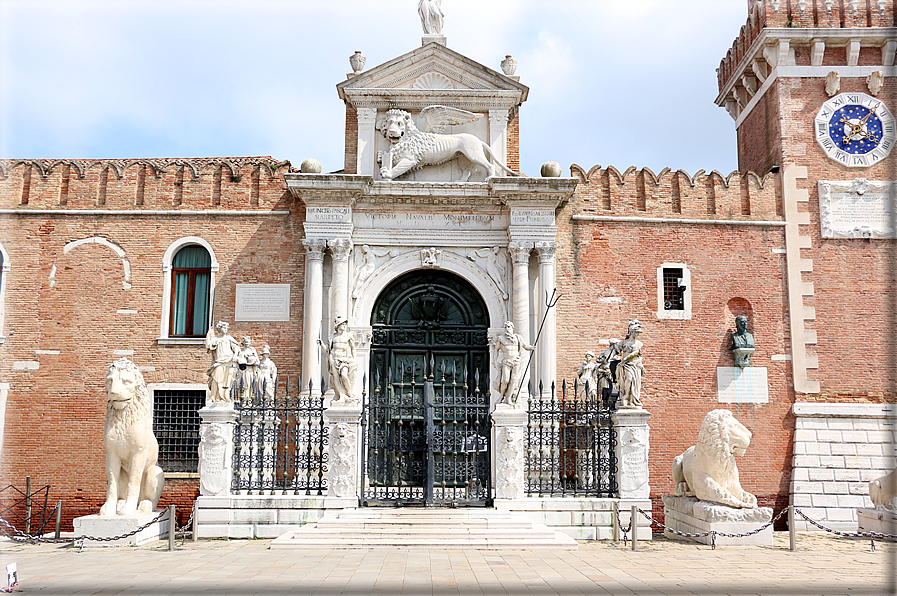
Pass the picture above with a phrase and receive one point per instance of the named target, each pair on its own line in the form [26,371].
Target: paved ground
[823,565]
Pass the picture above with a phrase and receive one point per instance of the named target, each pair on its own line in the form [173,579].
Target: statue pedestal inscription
[105,526]
[632,429]
[689,515]
[737,385]
[882,521]
[344,424]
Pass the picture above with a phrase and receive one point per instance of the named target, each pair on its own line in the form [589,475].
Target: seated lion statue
[707,470]
[883,491]
[413,149]
[133,480]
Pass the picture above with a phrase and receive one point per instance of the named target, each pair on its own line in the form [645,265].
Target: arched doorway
[427,415]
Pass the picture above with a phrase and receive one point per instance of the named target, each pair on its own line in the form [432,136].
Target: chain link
[713,533]
[187,528]
[878,535]
[17,535]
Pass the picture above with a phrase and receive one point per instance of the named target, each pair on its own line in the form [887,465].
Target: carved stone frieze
[509,461]
[431,257]
[342,460]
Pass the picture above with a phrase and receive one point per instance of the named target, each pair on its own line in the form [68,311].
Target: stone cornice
[467,99]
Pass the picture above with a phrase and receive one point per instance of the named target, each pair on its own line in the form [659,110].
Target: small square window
[674,291]
[176,426]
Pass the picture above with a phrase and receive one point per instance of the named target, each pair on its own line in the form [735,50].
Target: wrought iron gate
[426,419]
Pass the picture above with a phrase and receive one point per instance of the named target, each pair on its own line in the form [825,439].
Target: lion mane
[415,144]
[134,481]
[707,470]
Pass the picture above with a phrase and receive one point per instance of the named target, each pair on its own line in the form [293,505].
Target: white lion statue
[133,480]
[883,490]
[413,149]
[707,470]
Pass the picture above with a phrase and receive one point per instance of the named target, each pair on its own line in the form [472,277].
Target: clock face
[855,129]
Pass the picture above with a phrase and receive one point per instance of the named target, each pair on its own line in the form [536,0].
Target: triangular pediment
[431,70]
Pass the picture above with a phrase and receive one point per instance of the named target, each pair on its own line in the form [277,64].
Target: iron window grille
[673,289]
[176,425]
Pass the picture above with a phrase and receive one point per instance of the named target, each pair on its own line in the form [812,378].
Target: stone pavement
[823,565]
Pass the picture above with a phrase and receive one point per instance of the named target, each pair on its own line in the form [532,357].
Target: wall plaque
[262,302]
[856,209]
[742,385]
[532,217]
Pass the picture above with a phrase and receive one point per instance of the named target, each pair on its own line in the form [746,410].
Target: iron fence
[570,444]
[280,440]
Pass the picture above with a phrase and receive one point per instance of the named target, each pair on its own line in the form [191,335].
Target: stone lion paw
[146,506]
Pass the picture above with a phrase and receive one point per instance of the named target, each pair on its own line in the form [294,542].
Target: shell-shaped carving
[433,80]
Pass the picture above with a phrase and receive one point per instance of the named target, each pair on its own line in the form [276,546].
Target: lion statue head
[707,471]
[396,124]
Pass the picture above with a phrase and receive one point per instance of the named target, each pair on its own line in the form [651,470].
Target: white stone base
[877,520]
[689,515]
[104,526]
[261,516]
[580,518]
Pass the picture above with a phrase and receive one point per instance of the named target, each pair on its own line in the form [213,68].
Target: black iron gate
[426,419]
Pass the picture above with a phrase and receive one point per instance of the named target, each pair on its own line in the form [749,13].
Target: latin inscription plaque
[262,302]
[747,385]
[856,209]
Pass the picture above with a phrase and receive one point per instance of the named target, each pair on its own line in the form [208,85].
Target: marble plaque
[856,209]
[532,217]
[742,385]
[328,214]
[429,221]
[262,302]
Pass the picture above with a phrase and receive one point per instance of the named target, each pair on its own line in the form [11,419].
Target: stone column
[314,305]
[216,450]
[631,425]
[340,248]
[344,427]
[498,136]
[520,252]
[547,348]
[367,141]
[509,427]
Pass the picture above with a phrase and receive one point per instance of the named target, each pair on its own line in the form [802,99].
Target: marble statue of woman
[223,371]
[248,362]
[630,369]
[431,16]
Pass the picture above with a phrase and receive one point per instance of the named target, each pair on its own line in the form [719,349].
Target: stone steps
[440,528]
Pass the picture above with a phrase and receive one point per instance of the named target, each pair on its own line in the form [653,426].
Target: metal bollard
[27,504]
[792,534]
[172,526]
[194,538]
[616,522]
[58,518]
[633,524]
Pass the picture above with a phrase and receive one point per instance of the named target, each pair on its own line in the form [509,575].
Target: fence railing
[280,440]
[570,442]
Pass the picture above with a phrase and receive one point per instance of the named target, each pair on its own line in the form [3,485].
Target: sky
[612,82]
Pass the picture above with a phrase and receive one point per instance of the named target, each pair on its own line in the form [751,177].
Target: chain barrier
[713,533]
[870,535]
[623,530]
[17,535]
[187,528]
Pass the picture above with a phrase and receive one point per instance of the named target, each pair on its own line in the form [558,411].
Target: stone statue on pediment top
[431,16]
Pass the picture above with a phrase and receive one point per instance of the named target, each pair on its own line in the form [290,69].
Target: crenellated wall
[677,194]
[195,183]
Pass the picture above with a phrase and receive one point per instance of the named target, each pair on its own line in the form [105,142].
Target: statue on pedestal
[267,375]
[247,362]
[509,348]
[340,350]
[587,374]
[630,370]
[223,371]
[431,16]
[742,343]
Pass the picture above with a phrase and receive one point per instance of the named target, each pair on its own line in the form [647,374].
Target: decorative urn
[356,61]
[509,65]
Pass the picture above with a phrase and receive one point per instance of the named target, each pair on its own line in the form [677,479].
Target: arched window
[191,274]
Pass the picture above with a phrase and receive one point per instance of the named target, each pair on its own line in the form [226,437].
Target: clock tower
[812,87]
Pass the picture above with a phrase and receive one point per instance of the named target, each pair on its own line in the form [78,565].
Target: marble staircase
[477,528]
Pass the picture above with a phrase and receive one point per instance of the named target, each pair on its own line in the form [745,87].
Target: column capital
[366,116]
[499,117]
[340,248]
[315,247]
[520,252]
[547,251]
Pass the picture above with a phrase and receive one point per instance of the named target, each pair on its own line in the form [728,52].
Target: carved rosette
[340,248]
[509,461]
[520,252]
[547,251]
[315,248]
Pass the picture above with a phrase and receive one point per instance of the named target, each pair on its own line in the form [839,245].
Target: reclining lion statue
[707,470]
[134,481]
[412,149]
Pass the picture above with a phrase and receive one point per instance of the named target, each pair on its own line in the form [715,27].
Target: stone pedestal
[882,521]
[508,428]
[344,427]
[104,526]
[631,449]
[687,514]
[216,449]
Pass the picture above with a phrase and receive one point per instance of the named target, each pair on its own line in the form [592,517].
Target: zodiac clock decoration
[855,129]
